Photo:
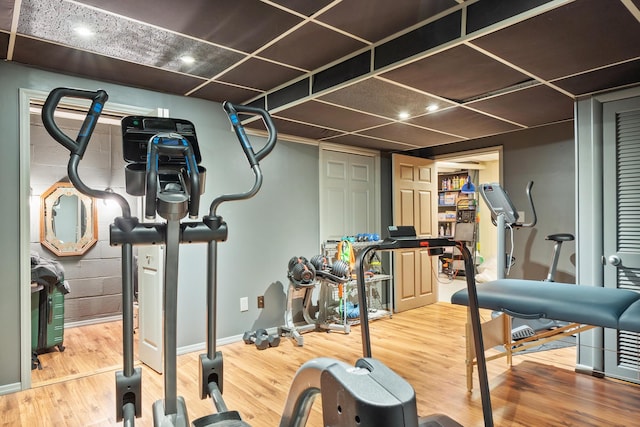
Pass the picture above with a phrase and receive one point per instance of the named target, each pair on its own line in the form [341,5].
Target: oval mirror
[68,220]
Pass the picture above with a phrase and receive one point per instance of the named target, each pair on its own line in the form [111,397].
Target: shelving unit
[374,286]
[449,186]
[454,207]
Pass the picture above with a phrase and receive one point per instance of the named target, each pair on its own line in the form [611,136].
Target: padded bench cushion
[630,319]
[588,305]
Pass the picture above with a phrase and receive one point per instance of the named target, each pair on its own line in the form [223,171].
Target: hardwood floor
[425,346]
[88,350]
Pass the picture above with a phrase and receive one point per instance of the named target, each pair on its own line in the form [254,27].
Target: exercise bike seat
[560,237]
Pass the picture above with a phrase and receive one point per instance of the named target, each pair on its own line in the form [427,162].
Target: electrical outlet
[520,216]
[261,301]
[244,304]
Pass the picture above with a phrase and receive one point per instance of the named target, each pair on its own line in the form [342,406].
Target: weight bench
[584,307]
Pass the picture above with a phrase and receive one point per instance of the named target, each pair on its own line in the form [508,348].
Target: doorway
[481,166]
[31,181]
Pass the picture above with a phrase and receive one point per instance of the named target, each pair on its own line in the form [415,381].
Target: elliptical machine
[165,169]
[504,215]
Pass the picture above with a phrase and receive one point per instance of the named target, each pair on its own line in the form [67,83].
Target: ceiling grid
[343,71]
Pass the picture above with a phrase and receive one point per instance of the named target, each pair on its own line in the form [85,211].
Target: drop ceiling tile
[259,74]
[530,107]
[572,38]
[463,122]
[244,25]
[69,61]
[4,45]
[6,14]
[286,127]
[371,143]
[329,116]
[615,76]
[306,8]
[374,20]
[457,74]
[383,98]
[139,43]
[219,92]
[408,134]
[311,46]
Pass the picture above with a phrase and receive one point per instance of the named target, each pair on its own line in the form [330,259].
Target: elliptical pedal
[221,419]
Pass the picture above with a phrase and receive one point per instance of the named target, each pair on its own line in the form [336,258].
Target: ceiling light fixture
[187,59]
[83,31]
[403,115]
[432,107]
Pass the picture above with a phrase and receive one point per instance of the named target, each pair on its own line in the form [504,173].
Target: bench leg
[495,332]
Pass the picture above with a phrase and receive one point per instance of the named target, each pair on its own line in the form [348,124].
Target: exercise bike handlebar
[533,207]
[254,158]
[79,146]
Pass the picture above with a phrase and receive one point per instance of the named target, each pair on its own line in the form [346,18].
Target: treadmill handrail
[474,314]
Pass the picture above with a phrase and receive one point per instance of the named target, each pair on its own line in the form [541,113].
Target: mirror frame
[48,239]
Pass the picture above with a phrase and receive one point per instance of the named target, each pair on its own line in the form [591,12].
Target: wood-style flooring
[426,346]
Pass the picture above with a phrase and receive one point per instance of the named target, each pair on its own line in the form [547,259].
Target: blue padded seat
[588,305]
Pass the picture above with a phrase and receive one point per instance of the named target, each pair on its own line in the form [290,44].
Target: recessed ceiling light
[403,115]
[432,107]
[188,59]
[83,31]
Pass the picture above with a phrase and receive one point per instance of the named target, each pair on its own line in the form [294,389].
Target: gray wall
[264,232]
[545,155]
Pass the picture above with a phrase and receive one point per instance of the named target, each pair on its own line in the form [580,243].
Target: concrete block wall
[94,278]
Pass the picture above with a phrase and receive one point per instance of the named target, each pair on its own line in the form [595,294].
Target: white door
[621,224]
[415,189]
[150,282]
[348,203]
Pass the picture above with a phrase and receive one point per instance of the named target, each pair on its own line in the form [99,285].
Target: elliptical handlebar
[79,146]
[254,158]
[232,111]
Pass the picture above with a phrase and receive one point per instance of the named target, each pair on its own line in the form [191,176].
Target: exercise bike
[163,167]
[504,215]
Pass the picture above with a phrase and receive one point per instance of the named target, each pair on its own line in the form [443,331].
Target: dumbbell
[301,271]
[261,339]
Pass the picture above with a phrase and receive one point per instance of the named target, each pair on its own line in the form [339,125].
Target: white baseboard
[203,346]
[93,321]
[10,388]
[222,341]
[180,350]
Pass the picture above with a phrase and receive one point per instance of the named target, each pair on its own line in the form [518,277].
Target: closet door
[348,195]
[621,230]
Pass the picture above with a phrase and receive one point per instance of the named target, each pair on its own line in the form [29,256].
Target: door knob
[614,260]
